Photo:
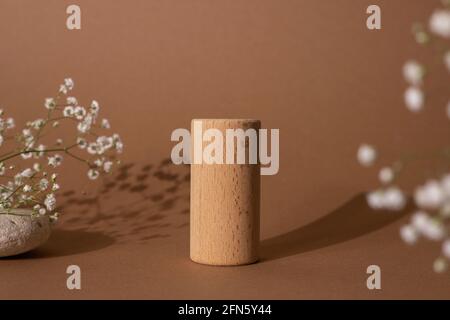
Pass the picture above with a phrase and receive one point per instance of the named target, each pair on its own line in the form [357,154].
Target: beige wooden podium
[225,203]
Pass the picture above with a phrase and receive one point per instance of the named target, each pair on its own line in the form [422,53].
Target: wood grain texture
[225,204]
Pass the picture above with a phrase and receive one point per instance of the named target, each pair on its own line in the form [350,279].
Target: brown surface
[310,68]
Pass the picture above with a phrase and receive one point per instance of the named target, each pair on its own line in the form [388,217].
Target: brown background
[310,68]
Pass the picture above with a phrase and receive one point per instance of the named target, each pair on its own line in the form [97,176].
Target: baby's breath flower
[82,143]
[107,166]
[68,111]
[37,167]
[448,110]
[27,188]
[68,82]
[95,107]
[440,23]
[37,124]
[83,127]
[430,195]
[43,184]
[27,173]
[55,187]
[105,124]
[63,89]
[447,60]
[93,174]
[41,150]
[50,202]
[366,155]
[440,265]
[414,99]
[386,175]
[50,103]
[79,112]
[446,248]
[409,234]
[72,101]
[10,124]
[413,72]
[92,148]
[55,160]
[98,162]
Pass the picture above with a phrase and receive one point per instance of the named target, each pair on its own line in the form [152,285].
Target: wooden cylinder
[225,198]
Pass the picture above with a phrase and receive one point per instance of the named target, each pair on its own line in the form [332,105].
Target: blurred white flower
[419,220]
[27,188]
[433,230]
[446,248]
[445,185]
[429,196]
[394,199]
[413,72]
[440,23]
[447,60]
[391,199]
[55,187]
[440,265]
[409,234]
[414,99]
[427,226]
[386,175]
[448,109]
[366,155]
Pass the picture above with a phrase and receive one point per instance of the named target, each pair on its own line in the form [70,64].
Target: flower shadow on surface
[351,220]
[136,204]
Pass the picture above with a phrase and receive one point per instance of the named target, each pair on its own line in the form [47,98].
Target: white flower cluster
[34,187]
[432,199]
[5,125]
[414,72]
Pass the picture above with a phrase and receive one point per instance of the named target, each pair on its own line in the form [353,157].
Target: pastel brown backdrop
[310,68]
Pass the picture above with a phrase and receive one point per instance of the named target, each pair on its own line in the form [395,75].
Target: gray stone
[20,232]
